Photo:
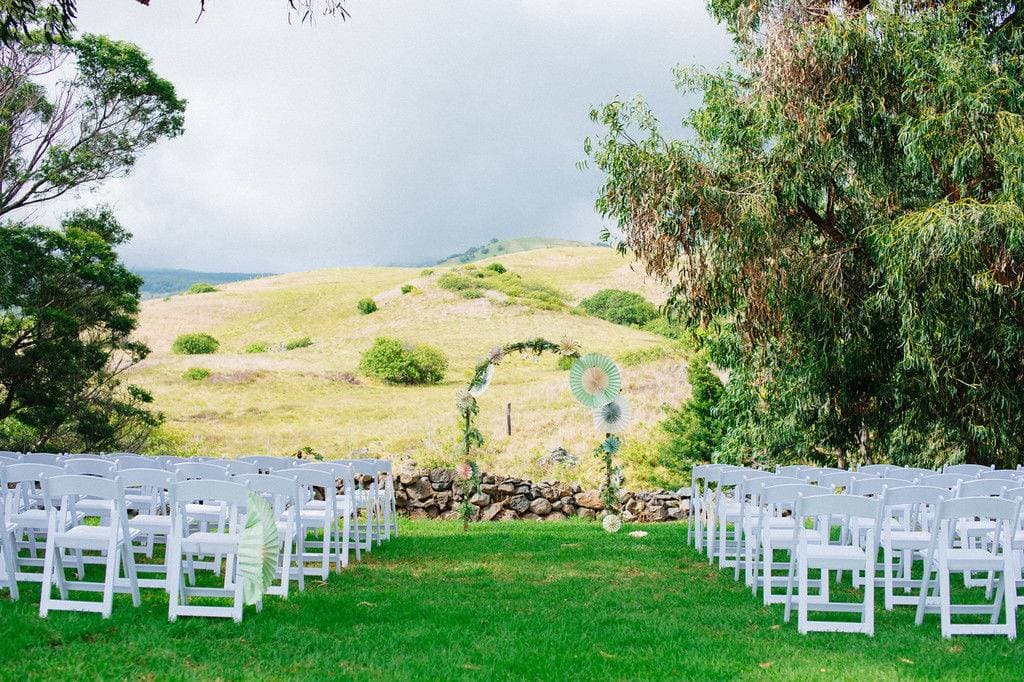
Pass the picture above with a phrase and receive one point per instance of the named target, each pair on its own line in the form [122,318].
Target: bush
[195,344]
[391,361]
[201,288]
[565,362]
[426,272]
[407,288]
[195,373]
[303,342]
[693,431]
[620,307]
[497,267]
[366,306]
[258,347]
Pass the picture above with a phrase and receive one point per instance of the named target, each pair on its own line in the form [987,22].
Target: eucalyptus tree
[54,20]
[846,212]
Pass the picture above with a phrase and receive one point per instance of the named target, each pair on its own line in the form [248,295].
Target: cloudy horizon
[409,132]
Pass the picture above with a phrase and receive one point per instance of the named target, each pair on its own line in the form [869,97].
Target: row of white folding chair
[907,539]
[67,531]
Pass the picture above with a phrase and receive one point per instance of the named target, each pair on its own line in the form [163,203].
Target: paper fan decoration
[595,380]
[477,389]
[257,550]
[613,417]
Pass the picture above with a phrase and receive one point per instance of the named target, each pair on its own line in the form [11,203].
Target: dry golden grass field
[281,400]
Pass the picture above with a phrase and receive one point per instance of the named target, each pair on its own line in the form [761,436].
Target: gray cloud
[411,131]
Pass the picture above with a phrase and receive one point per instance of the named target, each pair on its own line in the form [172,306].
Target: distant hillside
[280,400]
[163,282]
[499,247]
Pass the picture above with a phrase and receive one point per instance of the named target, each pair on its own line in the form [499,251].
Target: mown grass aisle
[515,600]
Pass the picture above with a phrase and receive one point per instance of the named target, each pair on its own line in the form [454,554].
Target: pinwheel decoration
[257,550]
[614,416]
[595,380]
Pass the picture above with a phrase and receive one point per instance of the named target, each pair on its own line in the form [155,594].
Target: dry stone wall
[432,494]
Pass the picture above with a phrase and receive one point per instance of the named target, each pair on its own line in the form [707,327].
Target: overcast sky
[410,131]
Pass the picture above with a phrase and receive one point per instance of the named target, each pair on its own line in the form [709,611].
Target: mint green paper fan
[595,380]
[257,550]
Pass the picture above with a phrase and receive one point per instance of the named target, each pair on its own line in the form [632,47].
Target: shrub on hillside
[565,362]
[497,267]
[196,373]
[366,306]
[258,347]
[620,307]
[201,288]
[394,362]
[408,288]
[195,344]
[303,342]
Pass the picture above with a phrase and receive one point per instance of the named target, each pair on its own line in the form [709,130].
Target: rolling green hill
[279,401]
[502,247]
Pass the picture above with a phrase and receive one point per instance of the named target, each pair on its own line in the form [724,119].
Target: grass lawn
[516,600]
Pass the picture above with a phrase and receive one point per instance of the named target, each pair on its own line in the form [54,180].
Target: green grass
[519,600]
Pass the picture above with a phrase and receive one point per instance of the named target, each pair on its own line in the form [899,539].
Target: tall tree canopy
[75,113]
[847,214]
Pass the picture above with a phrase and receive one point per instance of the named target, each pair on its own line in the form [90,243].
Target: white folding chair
[1017,543]
[324,516]
[907,515]
[874,469]
[207,515]
[749,493]
[776,501]
[286,500]
[237,467]
[129,461]
[26,511]
[185,543]
[9,577]
[65,532]
[948,481]
[150,488]
[943,558]
[969,470]
[793,470]
[704,476]
[812,550]
[41,458]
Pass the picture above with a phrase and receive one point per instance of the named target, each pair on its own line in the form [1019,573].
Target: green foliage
[69,311]
[426,272]
[195,344]
[565,362]
[644,356]
[620,307]
[846,211]
[662,326]
[695,430]
[496,267]
[195,374]
[394,362]
[366,306]
[257,347]
[302,342]
[201,288]
[89,125]
[408,288]
[469,282]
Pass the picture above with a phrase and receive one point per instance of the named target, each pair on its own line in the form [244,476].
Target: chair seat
[960,559]
[89,537]
[210,543]
[908,539]
[94,507]
[152,523]
[30,518]
[783,537]
[341,504]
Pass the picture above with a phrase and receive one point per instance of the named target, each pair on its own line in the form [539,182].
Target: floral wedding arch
[594,380]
